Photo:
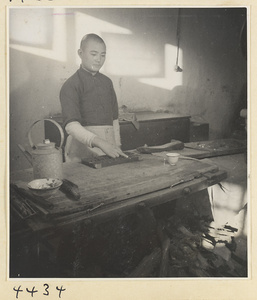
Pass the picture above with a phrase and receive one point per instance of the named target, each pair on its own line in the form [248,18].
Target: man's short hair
[90,37]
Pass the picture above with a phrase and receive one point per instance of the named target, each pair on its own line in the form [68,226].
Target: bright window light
[171,78]
[28,32]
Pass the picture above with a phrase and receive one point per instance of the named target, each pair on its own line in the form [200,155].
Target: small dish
[45,187]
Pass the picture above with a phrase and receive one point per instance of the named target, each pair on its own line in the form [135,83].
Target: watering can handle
[50,120]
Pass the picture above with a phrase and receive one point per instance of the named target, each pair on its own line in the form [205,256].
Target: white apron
[74,150]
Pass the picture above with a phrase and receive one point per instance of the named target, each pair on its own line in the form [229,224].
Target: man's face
[92,56]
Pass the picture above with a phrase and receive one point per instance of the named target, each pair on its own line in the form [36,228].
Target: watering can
[46,158]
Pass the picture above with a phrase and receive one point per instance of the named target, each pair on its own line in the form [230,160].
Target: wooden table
[106,194]
[121,188]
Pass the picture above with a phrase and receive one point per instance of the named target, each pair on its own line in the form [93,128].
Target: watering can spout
[26,153]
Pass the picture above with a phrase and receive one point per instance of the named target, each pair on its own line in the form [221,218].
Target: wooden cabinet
[154,129]
[199,131]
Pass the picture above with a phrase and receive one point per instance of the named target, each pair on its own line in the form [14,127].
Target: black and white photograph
[128,142]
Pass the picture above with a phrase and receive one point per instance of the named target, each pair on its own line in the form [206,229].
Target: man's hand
[107,148]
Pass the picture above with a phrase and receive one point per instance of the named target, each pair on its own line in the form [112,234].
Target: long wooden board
[100,187]
[204,149]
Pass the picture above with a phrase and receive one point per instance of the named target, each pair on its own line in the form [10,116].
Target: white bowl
[172,158]
[44,187]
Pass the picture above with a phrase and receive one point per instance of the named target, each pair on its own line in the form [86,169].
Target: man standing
[89,106]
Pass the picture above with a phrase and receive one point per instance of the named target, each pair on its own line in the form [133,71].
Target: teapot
[46,158]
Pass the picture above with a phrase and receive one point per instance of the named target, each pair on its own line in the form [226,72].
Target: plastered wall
[141,55]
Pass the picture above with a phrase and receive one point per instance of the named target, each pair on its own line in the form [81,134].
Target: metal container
[46,158]
[47,161]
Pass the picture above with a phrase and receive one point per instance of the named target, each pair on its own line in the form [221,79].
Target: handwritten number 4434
[33,290]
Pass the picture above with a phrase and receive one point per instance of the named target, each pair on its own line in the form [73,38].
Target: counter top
[121,187]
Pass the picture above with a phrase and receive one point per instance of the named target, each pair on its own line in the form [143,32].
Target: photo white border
[205,288]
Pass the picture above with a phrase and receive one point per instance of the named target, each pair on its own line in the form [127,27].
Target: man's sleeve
[69,99]
[76,130]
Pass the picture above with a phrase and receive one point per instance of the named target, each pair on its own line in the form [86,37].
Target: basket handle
[49,120]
